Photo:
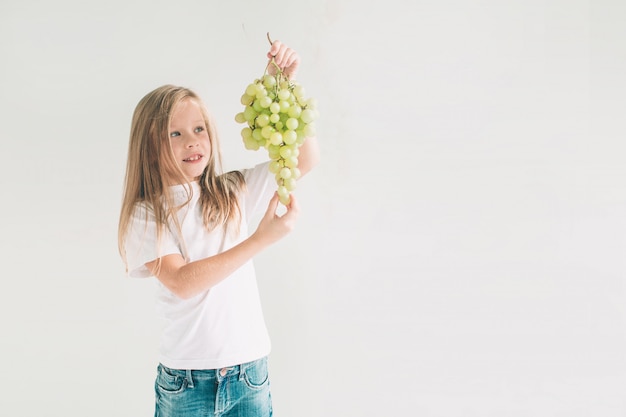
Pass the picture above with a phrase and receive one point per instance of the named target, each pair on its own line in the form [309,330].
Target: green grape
[283,94]
[291,123]
[262,120]
[246,99]
[257,135]
[267,131]
[269,81]
[284,106]
[298,91]
[307,116]
[282,191]
[250,143]
[251,89]
[290,184]
[240,118]
[249,113]
[286,151]
[294,111]
[265,102]
[274,166]
[273,151]
[275,107]
[246,132]
[256,105]
[309,130]
[276,138]
[291,161]
[290,137]
[285,173]
[260,90]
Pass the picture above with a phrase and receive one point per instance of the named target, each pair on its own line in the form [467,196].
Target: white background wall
[461,247]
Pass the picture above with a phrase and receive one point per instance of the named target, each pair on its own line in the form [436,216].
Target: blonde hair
[151,167]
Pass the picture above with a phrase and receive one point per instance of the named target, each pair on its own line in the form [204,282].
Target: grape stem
[279,71]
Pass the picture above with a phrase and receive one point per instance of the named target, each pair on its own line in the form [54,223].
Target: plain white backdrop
[461,248]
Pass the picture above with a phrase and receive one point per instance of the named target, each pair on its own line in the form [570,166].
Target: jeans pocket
[169,382]
[256,375]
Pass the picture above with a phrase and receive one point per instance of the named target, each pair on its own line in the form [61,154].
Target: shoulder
[142,214]
[142,209]
[260,170]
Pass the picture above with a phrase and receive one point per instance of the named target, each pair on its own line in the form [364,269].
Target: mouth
[194,158]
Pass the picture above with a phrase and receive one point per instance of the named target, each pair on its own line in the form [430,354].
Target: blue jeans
[238,391]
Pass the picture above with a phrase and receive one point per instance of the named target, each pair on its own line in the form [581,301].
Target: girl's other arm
[189,279]
[309,155]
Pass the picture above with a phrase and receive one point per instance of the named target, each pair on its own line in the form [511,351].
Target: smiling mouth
[193,158]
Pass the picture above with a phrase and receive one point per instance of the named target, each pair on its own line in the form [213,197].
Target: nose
[192,142]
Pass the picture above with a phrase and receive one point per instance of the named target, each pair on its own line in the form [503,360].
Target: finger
[271,69]
[278,58]
[272,206]
[276,45]
[293,208]
[290,216]
[291,67]
[289,57]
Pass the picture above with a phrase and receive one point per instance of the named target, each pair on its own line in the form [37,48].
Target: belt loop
[242,371]
[189,378]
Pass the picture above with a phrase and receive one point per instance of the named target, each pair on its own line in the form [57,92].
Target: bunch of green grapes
[279,118]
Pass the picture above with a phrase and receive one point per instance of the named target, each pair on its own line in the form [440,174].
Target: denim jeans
[238,391]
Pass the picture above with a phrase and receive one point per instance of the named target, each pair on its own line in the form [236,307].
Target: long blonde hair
[151,166]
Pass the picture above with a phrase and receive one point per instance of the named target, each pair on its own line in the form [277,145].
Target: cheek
[208,145]
[177,149]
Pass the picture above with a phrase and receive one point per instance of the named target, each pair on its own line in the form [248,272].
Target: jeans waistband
[219,374]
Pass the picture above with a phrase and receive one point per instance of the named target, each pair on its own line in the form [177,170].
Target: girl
[186,223]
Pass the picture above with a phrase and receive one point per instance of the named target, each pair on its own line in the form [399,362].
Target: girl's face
[189,139]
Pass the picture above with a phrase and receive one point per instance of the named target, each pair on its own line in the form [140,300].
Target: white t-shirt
[223,326]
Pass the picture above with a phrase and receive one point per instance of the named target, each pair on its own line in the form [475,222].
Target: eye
[199,129]
[174,134]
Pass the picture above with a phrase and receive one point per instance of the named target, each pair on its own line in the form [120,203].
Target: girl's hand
[274,227]
[286,58]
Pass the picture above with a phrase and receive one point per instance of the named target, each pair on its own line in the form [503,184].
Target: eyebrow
[195,122]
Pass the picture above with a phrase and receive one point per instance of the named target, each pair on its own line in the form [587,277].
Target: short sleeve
[142,245]
[260,186]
